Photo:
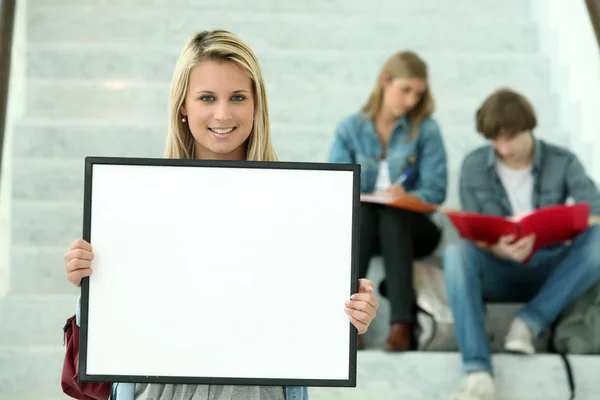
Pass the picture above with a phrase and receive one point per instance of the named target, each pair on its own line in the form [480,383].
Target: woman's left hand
[362,306]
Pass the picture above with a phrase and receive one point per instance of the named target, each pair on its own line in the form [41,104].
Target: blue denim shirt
[126,391]
[557,175]
[356,142]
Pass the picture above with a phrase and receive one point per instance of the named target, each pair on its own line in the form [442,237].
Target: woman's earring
[183,120]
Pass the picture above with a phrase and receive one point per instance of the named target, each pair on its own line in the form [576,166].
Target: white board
[219,272]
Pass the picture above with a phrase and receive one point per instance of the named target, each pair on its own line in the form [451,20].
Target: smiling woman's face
[219,107]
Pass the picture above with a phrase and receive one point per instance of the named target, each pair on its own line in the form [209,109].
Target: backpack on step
[577,330]
[435,323]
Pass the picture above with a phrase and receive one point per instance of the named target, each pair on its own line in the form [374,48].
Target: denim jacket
[557,175]
[356,141]
[126,391]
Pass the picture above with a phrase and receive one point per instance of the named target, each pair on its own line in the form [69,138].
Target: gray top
[557,175]
[145,391]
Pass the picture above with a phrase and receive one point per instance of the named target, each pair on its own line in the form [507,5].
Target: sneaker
[476,386]
[519,338]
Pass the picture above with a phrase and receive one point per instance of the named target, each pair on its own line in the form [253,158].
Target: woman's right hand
[78,261]
[395,191]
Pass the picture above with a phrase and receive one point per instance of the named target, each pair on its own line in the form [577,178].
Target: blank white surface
[220,272]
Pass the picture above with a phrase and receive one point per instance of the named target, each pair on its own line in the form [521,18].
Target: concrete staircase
[97,77]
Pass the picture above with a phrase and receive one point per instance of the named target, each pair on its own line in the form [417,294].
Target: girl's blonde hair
[218,45]
[404,64]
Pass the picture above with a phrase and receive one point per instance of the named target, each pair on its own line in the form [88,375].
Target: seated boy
[515,174]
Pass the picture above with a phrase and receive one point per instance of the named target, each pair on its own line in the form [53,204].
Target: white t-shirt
[518,184]
[383,177]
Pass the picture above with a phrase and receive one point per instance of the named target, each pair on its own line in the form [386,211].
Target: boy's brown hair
[505,113]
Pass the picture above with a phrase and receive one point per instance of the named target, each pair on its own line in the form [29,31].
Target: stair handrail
[7,20]
[593,7]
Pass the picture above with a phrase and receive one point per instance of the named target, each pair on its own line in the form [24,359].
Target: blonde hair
[218,45]
[404,64]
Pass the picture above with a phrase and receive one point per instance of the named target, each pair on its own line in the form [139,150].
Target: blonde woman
[401,152]
[218,110]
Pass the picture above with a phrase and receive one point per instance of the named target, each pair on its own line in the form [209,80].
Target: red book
[551,225]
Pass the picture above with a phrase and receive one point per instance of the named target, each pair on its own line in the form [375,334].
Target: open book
[551,225]
[408,203]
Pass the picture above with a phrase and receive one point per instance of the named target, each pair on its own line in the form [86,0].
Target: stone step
[284,68]
[38,270]
[130,102]
[34,320]
[46,223]
[63,138]
[33,395]
[434,376]
[48,179]
[34,373]
[266,32]
[78,15]
[75,140]
[31,372]
[498,316]
[516,9]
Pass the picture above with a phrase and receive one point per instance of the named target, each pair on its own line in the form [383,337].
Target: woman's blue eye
[212,98]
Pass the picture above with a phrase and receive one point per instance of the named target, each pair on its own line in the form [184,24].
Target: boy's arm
[582,188]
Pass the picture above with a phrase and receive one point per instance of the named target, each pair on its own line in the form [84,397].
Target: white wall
[567,38]
[16,105]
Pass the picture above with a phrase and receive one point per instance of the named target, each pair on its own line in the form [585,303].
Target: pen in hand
[405,175]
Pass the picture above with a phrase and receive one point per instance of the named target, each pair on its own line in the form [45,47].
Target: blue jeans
[550,281]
